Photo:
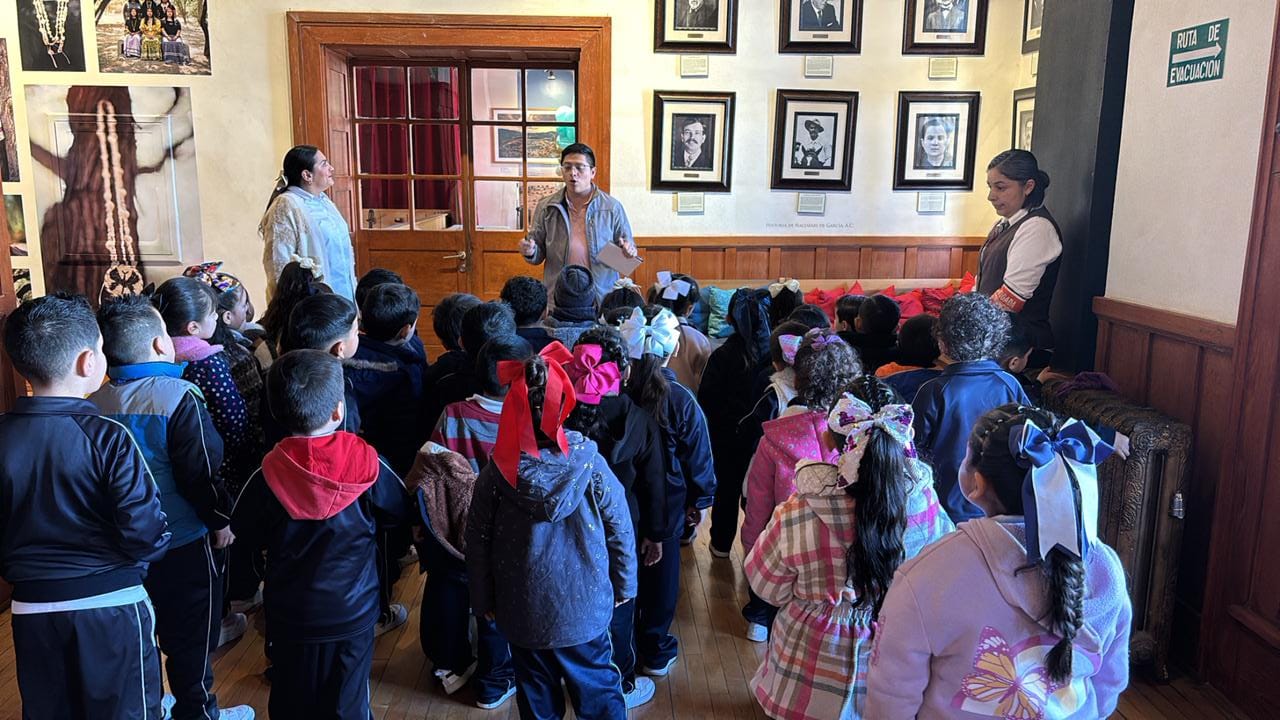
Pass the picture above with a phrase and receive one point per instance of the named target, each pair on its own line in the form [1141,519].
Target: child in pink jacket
[1019,614]
[824,365]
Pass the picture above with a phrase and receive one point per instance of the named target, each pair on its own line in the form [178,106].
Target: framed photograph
[182,48]
[945,27]
[820,26]
[692,140]
[50,35]
[937,140]
[695,26]
[1031,22]
[813,140]
[1024,112]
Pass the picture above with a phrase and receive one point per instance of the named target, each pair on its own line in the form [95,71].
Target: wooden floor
[709,681]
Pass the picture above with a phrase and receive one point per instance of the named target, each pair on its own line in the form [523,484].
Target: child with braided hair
[828,554]
[1022,613]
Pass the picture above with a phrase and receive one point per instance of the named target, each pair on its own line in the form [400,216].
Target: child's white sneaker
[239,712]
[233,626]
[247,606]
[397,618]
[497,702]
[453,682]
[757,632]
[717,552]
[641,693]
[661,670]
[166,706]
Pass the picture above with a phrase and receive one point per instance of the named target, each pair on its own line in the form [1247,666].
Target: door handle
[456,256]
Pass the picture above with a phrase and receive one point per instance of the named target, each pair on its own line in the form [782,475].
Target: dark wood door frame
[1240,638]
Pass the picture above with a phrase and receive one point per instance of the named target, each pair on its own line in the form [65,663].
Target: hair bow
[626,283]
[854,420]
[592,379]
[792,285]
[208,274]
[658,336]
[790,345]
[821,337]
[1053,517]
[281,181]
[515,425]
[671,289]
[307,263]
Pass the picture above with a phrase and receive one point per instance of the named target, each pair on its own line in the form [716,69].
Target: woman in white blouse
[301,224]
[1018,265]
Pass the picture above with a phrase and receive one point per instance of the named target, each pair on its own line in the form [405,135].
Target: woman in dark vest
[1018,265]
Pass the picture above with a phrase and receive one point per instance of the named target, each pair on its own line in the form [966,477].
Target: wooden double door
[444,131]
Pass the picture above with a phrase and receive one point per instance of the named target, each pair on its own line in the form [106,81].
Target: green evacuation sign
[1198,53]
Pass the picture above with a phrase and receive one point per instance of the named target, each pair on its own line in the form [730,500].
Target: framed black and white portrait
[692,141]
[945,27]
[937,140]
[1032,19]
[1024,112]
[695,26]
[813,140]
[820,26]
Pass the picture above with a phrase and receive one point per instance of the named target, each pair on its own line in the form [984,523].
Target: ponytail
[535,378]
[648,387]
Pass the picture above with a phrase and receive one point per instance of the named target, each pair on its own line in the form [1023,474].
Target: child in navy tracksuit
[316,505]
[480,324]
[652,336]
[386,374]
[550,549]
[80,521]
[167,417]
[971,332]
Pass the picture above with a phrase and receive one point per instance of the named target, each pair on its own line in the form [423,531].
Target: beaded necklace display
[55,36]
[122,276]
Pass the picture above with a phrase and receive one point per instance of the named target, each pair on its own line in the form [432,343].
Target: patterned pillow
[717,323]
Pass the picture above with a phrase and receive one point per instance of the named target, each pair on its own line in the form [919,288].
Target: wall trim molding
[1201,331]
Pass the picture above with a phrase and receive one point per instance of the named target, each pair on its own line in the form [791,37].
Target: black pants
[594,685]
[245,569]
[393,543]
[656,607]
[186,588]
[322,680]
[725,505]
[100,663]
[446,618]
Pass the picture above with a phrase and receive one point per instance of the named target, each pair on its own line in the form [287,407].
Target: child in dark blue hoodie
[550,548]
[168,419]
[971,332]
[386,375]
[80,521]
[317,504]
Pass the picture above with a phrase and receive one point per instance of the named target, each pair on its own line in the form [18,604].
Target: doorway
[442,129]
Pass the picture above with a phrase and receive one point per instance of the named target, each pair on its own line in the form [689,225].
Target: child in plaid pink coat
[824,561]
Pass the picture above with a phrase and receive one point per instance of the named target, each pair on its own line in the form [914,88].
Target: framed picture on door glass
[820,26]
[695,26]
[937,141]
[945,27]
[692,141]
[813,140]
[1032,19]
[1024,112]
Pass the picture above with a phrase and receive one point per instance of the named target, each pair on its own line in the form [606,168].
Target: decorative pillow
[718,300]
[910,304]
[855,289]
[968,282]
[701,314]
[825,299]
[933,298]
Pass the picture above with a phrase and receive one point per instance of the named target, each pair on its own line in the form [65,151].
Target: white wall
[243,123]
[1188,162]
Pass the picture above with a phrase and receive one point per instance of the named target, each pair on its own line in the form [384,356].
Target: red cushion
[910,304]
[933,298]
[825,299]
[967,284]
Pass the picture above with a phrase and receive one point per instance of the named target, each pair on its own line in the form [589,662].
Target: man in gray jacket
[572,226]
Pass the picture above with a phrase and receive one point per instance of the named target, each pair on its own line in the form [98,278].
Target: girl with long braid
[1022,613]
[828,554]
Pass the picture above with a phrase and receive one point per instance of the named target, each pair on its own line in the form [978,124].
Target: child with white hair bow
[652,337]
[680,294]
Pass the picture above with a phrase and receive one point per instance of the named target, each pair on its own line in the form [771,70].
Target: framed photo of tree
[945,27]
[692,141]
[937,140]
[695,26]
[820,26]
[813,140]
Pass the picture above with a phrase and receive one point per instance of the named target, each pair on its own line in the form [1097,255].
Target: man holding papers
[574,225]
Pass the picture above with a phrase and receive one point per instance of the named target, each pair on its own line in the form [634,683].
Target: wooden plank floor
[709,681]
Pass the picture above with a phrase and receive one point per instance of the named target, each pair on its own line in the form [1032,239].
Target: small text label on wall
[1197,54]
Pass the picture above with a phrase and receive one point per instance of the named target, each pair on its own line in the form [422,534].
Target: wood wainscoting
[809,257]
[1180,365]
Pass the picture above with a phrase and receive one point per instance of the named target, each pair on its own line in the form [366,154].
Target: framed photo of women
[820,26]
[692,141]
[153,37]
[50,36]
[695,26]
[813,140]
[1032,19]
[1024,113]
[937,141]
[945,27]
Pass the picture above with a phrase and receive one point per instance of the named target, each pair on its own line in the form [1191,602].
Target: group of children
[546,470]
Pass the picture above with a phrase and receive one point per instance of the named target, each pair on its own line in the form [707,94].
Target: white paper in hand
[611,254]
